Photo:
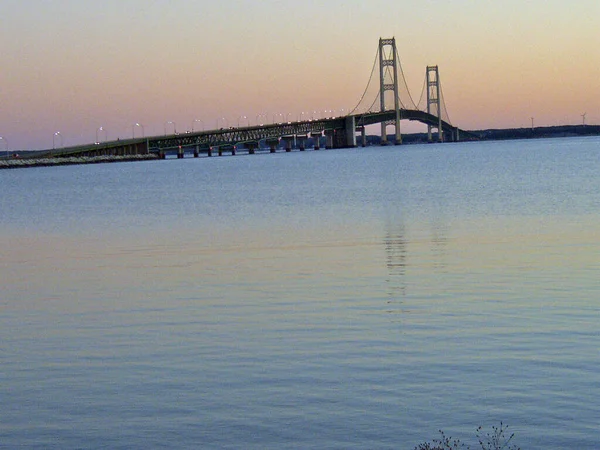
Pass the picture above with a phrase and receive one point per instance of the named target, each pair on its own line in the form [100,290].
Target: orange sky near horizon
[73,66]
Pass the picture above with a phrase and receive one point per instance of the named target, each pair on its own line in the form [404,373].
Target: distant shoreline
[28,158]
[499,134]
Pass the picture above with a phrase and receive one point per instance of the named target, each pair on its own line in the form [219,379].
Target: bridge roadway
[339,131]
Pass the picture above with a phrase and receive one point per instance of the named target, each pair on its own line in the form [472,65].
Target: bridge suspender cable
[368,84]
[422,94]
[404,80]
[445,115]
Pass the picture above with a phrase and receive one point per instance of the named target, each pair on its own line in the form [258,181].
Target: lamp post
[245,118]
[262,119]
[133,129]
[54,140]
[105,134]
[194,123]
[224,120]
[5,145]
[170,122]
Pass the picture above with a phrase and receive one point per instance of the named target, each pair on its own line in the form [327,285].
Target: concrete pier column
[363,135]
[329,134]
[289,140]
[301,141]
[251,146]
[272,143]
[180,152]
[209,151]
[233,150]
[350,131]
[317,139]
[196,151]
[220,150]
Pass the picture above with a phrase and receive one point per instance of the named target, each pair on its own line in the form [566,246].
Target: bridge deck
[241,135]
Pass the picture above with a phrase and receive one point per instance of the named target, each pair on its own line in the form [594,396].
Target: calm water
[343,299]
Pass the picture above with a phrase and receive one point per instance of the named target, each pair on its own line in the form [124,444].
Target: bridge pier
[209,151]
[301,140]
[350,131]
[272,143]
[196,151]
[329,135]
[180,152]
[317,139]
[363,136]
[251,146]
[289,140]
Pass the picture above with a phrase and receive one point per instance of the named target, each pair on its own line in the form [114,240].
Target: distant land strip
[28,158]
[507,133]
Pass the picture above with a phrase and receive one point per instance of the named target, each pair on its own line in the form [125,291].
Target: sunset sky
[76,65]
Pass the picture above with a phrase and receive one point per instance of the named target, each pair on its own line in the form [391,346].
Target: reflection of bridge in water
[406,256]
[393,100]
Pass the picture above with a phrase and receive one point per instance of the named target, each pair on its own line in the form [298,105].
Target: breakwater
[17,163]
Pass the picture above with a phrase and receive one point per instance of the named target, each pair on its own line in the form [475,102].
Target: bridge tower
[384,63]
[433,100]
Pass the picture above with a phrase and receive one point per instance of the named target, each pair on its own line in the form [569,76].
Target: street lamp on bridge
[260,122]
[245,118]
[2,138]
[224,120]
[194,123]
[279,116]
[105,134]
[133,129]
[170,122]
[54,140]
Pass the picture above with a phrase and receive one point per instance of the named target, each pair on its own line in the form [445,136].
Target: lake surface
[343,299]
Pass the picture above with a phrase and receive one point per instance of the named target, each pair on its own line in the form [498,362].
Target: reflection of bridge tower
[433,100]
[396,262]
[385,62]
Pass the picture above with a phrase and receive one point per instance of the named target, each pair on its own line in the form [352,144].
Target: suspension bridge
[386,101]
